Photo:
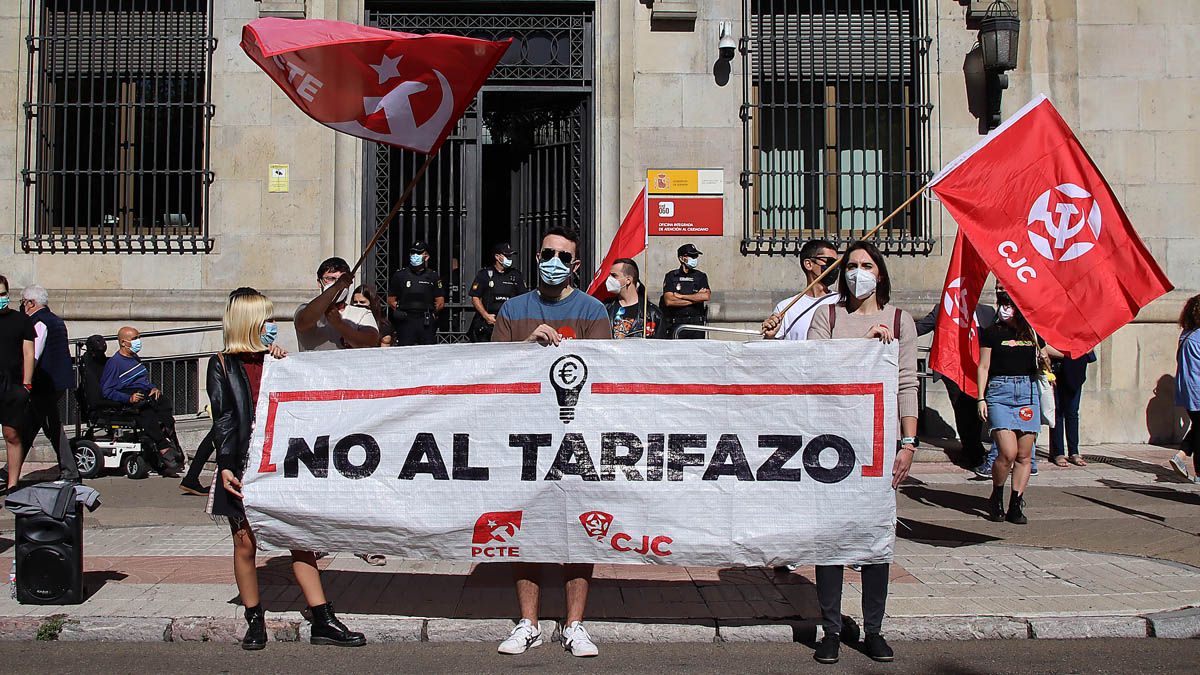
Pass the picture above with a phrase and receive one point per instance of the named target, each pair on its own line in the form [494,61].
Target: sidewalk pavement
[171,582]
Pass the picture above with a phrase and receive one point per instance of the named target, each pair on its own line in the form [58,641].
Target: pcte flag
[396,88]
[1036,208]
[597,451]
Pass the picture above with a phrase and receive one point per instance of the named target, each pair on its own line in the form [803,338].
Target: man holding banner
[548,315]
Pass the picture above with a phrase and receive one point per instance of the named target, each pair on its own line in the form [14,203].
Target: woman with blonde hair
[234,375]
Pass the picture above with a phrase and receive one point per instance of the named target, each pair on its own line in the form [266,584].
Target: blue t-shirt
[578,316]
[1187,373]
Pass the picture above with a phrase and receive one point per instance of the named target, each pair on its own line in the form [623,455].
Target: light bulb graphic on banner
[568,375]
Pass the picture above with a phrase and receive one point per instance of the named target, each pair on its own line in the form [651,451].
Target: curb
[1183,623]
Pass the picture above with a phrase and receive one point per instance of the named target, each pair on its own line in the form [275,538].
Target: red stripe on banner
[875,390]
[275,398]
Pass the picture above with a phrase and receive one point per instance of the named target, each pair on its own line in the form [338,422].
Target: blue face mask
[4,302]
[693,263]
[554,272]
[135,346]
[416,260]
[506,262]
[270,332]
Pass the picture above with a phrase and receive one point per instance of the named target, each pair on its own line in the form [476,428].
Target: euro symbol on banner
[568,375]
[1060,232]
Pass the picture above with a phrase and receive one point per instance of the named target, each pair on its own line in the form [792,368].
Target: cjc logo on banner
[499,527]
[597,524]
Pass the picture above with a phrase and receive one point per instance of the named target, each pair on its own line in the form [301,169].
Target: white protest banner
[631,451]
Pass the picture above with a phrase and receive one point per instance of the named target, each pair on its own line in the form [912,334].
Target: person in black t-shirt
[1011,357]
[625,310]
[685,292]
[416,296]
[494,285]
[16,378]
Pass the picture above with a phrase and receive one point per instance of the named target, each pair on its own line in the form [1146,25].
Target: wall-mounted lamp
[999,33]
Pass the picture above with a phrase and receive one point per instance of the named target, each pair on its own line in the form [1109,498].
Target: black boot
[1016,509]
[256,629]
[827,649]
[327,630]
[877,648]
[996,505]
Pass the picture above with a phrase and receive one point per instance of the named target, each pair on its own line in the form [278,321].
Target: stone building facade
[601,92]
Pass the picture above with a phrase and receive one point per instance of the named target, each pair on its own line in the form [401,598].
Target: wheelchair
[111,436]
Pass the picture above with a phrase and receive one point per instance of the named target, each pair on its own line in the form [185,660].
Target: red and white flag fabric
[629,241]
[955,350]
[1038,211]
[395,88]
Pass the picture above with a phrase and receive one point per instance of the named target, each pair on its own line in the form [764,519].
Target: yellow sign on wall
[685,181]
[277,178]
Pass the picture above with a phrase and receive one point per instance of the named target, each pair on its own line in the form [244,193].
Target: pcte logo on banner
[498,527]
[597,524]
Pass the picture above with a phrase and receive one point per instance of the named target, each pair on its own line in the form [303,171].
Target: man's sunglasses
[565,256]
[826,260]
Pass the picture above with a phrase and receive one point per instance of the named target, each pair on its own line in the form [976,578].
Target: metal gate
[535,111]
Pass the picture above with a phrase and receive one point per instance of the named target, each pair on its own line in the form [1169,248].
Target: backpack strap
[832,318]
[896,324]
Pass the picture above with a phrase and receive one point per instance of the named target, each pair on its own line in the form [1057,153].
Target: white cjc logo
[1059,228]
[954,303]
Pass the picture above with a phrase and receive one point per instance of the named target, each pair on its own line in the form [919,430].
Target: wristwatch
[910,440]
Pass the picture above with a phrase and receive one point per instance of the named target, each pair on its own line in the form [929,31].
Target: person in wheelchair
[126,380]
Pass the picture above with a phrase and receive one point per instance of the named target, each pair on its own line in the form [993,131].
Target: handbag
[1044,384]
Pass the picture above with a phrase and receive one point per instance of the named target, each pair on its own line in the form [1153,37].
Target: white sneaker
[523,636]
[577,641]
[1179,467]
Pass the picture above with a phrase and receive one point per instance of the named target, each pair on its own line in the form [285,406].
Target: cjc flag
[629,241]
[955,350]
[395,88]
[1035,207]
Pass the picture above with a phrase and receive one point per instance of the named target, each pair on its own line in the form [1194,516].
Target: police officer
[492,287]
[416,295]
[685,292]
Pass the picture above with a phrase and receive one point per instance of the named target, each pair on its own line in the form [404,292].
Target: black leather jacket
[232,411]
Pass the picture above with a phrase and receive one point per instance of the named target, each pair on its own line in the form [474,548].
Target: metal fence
[836,121]
[117,116]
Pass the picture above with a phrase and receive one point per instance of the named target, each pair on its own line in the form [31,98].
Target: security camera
[727,44]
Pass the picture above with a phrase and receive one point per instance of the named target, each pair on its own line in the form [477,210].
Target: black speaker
[50,558]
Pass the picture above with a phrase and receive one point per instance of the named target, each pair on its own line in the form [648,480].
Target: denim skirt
[1014,403]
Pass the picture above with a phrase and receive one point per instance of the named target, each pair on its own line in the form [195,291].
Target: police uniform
[685,283]
[493,289]
[415,292]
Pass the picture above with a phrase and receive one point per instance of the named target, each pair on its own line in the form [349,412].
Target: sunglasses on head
[565,256]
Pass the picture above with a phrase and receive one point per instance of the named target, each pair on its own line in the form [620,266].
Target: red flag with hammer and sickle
[955,350]
[395,88]
[1033,204]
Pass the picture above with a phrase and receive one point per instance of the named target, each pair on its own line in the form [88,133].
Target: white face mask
[861,282]
[612,284]
[1005,312]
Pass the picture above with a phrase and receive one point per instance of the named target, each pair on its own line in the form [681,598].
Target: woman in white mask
[863,312]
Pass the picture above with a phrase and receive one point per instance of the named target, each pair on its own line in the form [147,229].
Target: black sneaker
[877,649]
[827,649]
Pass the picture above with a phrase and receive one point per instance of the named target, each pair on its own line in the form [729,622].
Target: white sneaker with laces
[524,635]
[577,641]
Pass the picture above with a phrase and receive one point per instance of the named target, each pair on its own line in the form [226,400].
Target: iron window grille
[836,122]
[117,117]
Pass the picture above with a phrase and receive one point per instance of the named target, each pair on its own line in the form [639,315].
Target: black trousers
[203,452]
[967,424]
[43,404]
[1191,440]
[412,330]
[874,596]
[157,419]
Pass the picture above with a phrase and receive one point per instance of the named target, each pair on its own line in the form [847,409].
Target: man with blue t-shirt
[552,313]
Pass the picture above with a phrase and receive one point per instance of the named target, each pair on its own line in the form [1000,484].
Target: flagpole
[842,258]
[408,190]
[646,259]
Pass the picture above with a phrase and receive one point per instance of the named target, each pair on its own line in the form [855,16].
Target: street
[981,656]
